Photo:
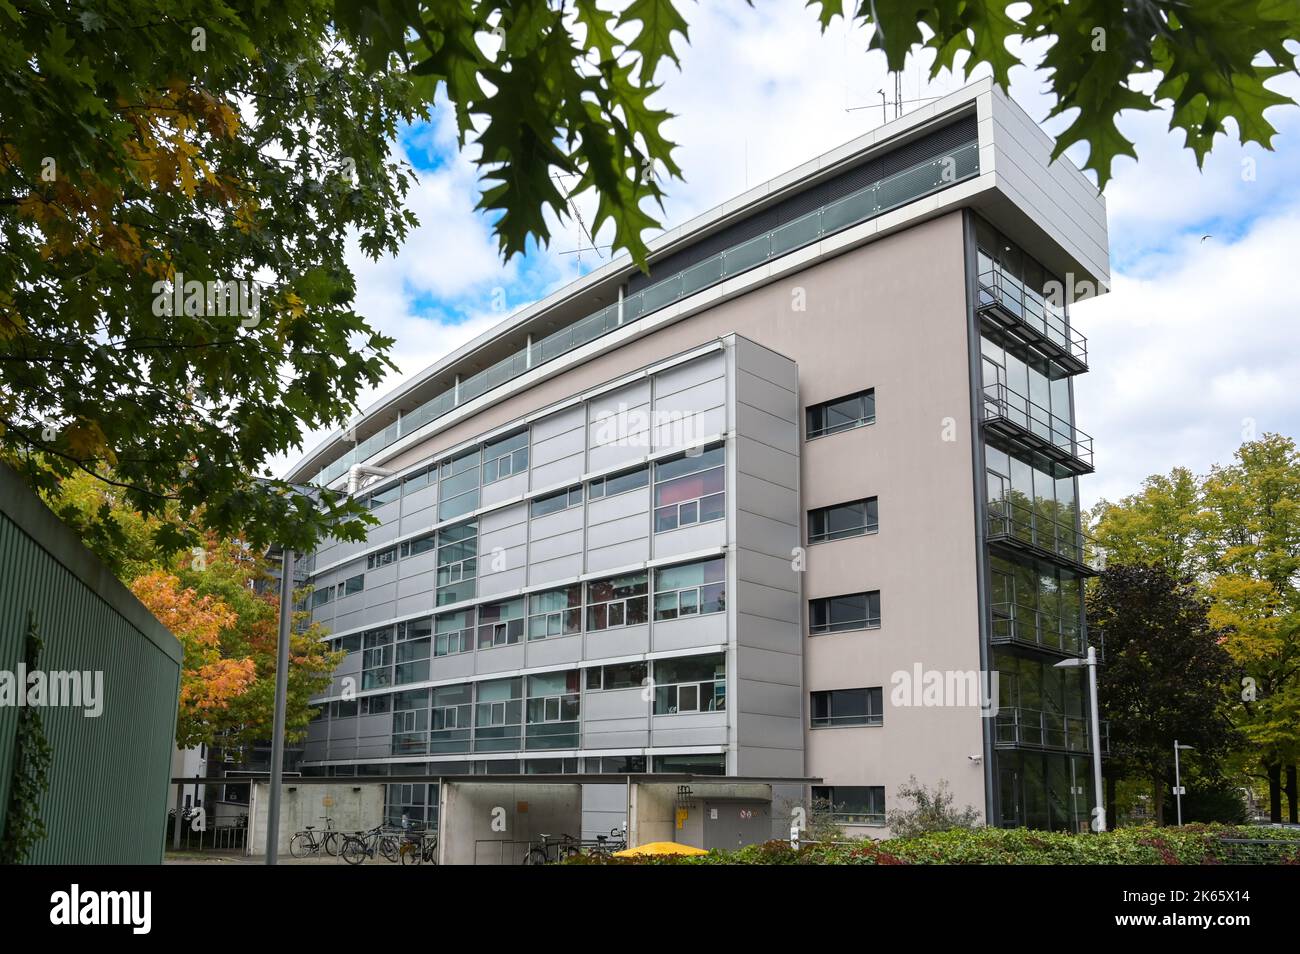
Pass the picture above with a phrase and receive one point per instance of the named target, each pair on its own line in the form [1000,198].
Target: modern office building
[769,510]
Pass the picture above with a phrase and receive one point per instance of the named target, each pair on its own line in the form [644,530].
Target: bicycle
[566,846]
[419,848]
[306,842]
[361,845]
[606,845]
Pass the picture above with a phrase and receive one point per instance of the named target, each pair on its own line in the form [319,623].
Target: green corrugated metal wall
[108,792]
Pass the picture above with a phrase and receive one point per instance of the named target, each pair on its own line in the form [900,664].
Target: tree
[221,602]
[1160,524]
[932,810]
[1166,673]
[1253,515]
[226,148]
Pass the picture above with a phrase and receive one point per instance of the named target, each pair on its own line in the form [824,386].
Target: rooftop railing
[1023,728]
[1020,524]
[890,192]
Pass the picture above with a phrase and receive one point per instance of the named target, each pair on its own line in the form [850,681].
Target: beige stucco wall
[889,315]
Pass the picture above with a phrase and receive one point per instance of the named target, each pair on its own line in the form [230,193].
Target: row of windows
[327,594]
[399,653]
[697,764]
[536,711]
[462,477]
[689,489]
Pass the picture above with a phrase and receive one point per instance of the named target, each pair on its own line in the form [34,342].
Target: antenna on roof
[577,215]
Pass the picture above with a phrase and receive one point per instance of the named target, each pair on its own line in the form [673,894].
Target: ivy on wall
[23,827]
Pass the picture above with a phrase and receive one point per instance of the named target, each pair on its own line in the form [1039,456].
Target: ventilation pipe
[357,471]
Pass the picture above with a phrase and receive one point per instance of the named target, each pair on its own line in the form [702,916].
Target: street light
[1178,782]
[286,555]
[1098,812]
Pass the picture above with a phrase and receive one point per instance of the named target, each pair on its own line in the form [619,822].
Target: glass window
[378,498]
[616,484]
[382,558]
[690,589]
[377,658]
[411,722]
[424,477]
[842,414]
[422,544]
[414,644]
[836,614]
[554,503]
[691,764]
[450,718]
[498,715]
[457,563]
[851,519]
[458,493]
[555,613]
[500,624]
[690,684]
[852,804]
[690,490]
[322,596]
[505,457]
[353,584]
[620,601]
[618,676]
[839,707]
[453,632]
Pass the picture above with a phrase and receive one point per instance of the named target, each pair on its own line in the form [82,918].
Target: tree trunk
[1158,798]
[1291,793]
[1274,792]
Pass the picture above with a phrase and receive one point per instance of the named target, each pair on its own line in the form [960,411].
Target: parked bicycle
[312,841]
[552,848]
[361,845]
[606,845]
[419,848]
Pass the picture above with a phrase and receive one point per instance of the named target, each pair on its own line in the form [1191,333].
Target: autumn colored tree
[209,679]
[222,602]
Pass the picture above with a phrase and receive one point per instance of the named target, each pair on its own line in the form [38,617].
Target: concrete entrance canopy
[495,819]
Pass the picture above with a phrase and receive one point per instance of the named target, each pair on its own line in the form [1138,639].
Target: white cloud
[1193,345]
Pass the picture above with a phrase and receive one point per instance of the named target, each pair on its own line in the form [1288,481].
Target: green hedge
[1189,845]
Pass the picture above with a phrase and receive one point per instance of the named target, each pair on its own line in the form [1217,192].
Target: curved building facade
[774,509]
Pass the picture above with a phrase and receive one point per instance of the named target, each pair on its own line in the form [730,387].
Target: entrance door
[730,825]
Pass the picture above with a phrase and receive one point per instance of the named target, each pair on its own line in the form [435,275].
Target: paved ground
[226,858]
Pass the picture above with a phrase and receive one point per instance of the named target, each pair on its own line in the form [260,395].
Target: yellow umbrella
[659,848]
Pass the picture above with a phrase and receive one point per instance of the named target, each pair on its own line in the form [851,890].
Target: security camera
[976,758]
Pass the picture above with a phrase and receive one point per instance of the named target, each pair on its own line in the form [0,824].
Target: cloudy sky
[1193,349]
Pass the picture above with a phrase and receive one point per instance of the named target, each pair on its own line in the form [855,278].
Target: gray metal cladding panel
[552,571]
[766,601]
[560,445]
[616,735]
[417,501]
[762,534]
[515,535]
[418,520]
[764,665]
[388,514]
[764,498]
[566,470]
[122,757]
[767,428]
[613,532]
[621,505]
[773,732]
[776,572]
[666,731]
[766,633]
[699,397]
[701,536]
[775,466]
[613,643]
[635,395]
[615,704]
[497,520]
[414,566]
[686,376]
[553,651]
[454,666]
[770,698]
[552,547]
[381,594]
[690,633]
[513,486]
[764,395]
[620,554]
[559,423]
[499,659]
[490,584]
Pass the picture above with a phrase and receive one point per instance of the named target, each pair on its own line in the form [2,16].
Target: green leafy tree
[1253,515]
[1166,673]
[1162,523]
[146,145]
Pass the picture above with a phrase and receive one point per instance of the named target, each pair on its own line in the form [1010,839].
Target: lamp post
[1178,780]
[281,687]
[1099,811]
